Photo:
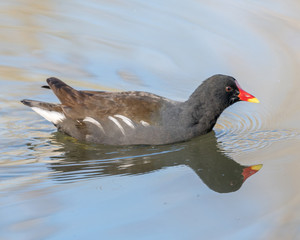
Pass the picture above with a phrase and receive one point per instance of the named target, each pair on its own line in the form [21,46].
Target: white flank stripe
[92,120]
[117,123]
[51,116]
[126,120]
[144,123]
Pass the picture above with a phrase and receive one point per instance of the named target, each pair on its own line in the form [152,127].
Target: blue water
[54,187]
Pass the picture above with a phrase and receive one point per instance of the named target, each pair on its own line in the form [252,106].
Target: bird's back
[117,118]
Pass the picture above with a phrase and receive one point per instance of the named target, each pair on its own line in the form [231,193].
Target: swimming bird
[136,117]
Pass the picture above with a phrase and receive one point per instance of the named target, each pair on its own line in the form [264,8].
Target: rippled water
[54,187]
[247,133]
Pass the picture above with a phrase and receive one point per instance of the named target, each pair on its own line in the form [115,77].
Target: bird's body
[130,118]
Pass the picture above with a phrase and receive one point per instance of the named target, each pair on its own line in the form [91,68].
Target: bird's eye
[228,89]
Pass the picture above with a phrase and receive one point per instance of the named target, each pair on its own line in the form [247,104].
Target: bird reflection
[218,171]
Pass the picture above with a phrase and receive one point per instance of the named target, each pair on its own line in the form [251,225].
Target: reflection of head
[228,178]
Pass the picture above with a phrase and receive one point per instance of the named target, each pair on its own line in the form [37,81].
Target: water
[54,187]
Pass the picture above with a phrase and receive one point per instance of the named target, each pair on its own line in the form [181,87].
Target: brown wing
[135,105]
[80,104]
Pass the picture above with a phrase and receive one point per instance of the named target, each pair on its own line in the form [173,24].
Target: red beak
[244,96]
[249,171]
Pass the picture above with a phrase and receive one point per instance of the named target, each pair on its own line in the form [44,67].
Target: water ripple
[246,133]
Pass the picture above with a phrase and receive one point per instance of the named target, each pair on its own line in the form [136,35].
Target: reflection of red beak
[249,171]
[244,96]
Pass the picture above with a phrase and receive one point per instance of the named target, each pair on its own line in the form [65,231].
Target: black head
[221,91]
[211,98]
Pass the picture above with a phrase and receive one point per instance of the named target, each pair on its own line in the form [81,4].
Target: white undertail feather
[117,123]
[92,120]
[126,120]
[51,116]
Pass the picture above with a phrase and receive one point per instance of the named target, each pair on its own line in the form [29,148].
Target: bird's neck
[202,114]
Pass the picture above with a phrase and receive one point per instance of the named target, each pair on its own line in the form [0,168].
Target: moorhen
[134,117]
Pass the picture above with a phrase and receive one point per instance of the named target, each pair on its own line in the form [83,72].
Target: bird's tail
[51,112]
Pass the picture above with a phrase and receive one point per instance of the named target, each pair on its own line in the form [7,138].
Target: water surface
[54,187]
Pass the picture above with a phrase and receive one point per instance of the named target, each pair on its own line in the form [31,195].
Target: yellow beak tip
[256,167]
[253,100]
